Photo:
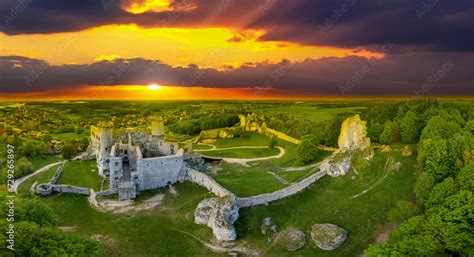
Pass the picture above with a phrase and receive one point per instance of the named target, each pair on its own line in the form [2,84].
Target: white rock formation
[353,134]
[336,165]
[353,138]
[219,214]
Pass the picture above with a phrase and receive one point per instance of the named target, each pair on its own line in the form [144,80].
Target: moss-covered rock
[328,236]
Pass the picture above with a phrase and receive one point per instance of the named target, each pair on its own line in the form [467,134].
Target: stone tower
[106,141]
[157,126]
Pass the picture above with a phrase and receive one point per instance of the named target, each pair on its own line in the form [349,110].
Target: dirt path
[279,178]
[124,206]
[244,161]
[314,165]
[213,147]
[19,181]
[386,172]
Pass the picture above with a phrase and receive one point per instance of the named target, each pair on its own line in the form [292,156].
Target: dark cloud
[418,25]
[427,74]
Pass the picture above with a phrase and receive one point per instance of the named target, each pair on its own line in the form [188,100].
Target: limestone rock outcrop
[407,151]
[203,210]
[352,139]
[219,214]
[336,165]
[353,134]
[328,236]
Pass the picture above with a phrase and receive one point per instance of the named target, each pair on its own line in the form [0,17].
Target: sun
[154,87]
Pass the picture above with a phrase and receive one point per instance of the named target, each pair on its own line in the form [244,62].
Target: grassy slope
[157,232]
[46,176]
[41,162]
[81,173]
[242,152]
[328,201]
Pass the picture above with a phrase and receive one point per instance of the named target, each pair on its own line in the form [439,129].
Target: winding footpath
[244,161]
[19,181]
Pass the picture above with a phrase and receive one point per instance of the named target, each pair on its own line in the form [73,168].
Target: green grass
[43,161]
[67,136]
[157,232]
[328,201]
[24,188]
[295,176]
[47,175]
[246,181]
[82,174]
[245,139]
[242,152]
[201,147]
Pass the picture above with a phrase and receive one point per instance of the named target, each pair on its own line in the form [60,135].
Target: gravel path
[19,181]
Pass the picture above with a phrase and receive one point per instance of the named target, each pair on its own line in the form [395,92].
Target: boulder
[267,225]
[219,214]
[295,239]
[328,236]
[353,134]
[385,149]
[407,151]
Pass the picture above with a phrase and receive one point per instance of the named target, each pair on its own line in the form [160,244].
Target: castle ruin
[137,160]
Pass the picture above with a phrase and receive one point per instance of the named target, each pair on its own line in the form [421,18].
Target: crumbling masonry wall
[207,182]
[282,193]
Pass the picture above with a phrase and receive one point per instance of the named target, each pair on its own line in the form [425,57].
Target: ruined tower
[104,140]
[157,126]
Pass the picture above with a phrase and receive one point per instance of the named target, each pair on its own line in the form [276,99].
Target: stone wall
[282,193]
[159,171]
[71,189]
[207,182]
[283,136]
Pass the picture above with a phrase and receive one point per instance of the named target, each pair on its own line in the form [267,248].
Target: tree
[68,151]
[386,136]
[307,151]
[438,127]
[402,211]
[273,142]
[465,178]
[423,186]
[409,128]
[440,192]
[24,166]
[437,161]
[374,131]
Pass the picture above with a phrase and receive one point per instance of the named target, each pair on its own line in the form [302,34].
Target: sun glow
[154,87]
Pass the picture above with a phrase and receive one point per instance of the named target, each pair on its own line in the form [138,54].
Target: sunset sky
[235,49]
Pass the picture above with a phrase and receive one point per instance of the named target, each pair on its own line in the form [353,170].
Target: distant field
[67,136]
[313,113]
[81,173]
[11,105]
